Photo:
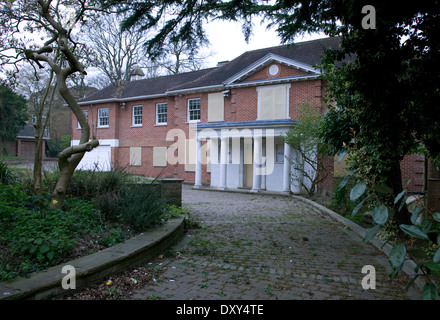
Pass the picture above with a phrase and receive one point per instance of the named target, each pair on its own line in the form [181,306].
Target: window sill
[103,127]
[136,126]
[161,124]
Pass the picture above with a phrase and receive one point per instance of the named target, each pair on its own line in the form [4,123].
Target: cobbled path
[261,247]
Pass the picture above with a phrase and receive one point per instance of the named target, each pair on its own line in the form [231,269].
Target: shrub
[7,176]
[141,207]
[118,199]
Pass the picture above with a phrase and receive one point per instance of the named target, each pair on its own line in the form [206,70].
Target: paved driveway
[264,247]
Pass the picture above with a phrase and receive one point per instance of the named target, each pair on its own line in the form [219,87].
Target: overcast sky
[227,40]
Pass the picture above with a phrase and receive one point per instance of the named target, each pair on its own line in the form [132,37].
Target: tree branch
[66,153]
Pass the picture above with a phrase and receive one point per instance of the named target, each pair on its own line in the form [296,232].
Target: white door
[98,159]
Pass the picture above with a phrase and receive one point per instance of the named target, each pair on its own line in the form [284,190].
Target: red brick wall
[241,105]
[284,71]
[413,169]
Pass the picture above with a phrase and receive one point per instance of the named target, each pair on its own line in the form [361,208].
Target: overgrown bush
[341,197]
[7,176]
[118,199]
[33,236]
[141,207]
[101,207]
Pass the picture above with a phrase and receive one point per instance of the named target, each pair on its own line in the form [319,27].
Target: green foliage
[36,236]
[141,207]
[33,236]
[13,113]
[7,176]
[423,227]
[118,199]
[305,139]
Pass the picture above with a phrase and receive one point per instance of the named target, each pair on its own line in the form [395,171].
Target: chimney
[219,64]
[136,73]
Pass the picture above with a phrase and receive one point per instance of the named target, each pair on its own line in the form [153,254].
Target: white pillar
[286,172]
[263,168]
[257,164]
[223,161]
[198,173]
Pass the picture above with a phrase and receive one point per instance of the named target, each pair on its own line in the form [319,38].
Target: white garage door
[97,159]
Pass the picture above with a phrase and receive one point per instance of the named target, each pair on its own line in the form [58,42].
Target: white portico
[246,155]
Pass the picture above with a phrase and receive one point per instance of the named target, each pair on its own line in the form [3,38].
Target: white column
[286,172]
[223,161]
[257,164]
[263,168]
[198,173]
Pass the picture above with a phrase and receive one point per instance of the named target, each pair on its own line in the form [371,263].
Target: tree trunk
[69,158]
[402,216]
[38,189]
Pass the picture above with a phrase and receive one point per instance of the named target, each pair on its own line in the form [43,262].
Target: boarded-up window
[190,155]
[273,102]
[135,156]
[160,156]
[216,107]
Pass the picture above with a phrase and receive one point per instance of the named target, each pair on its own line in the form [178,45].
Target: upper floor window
[137,115]
[161,113]
[103,118]
[86,113]
[193,110]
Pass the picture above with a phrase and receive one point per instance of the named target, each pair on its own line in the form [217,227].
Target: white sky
[227,40]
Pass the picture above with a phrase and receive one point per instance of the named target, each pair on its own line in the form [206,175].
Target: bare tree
[39,89]
[178,57]
[43,34]
[115,53]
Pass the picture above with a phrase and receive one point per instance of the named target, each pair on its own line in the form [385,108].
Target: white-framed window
[86,113]
[137,116]
[194,110]
[103,118]
[161,113]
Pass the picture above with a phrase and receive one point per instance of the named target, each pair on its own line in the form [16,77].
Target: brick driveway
[260,247]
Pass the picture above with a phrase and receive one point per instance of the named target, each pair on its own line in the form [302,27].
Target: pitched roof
[306,54]
[143,88]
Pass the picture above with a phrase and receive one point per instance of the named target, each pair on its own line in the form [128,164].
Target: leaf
[414,231]
[345,180]
[415,214]
[399,196]
[50,255]
[430,292]
[436,257]
[396,258]
[342,155]
[357,191]
[370,233]
[383,189]
[359,206]
[433,266]
[436,216]
[380,214]
[44,248]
